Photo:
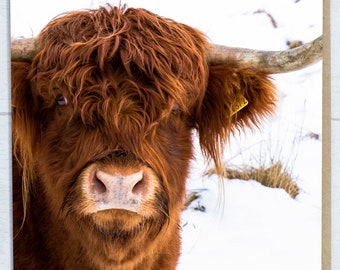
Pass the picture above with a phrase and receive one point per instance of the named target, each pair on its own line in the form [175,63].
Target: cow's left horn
[23,49]
[271,62]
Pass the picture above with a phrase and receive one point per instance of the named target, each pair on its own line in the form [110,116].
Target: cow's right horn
[23,49]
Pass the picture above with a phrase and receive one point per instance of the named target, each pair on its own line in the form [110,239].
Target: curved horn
[23,49]
[271,62]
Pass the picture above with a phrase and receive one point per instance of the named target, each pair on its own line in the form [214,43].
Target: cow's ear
[24,119]
[236,97]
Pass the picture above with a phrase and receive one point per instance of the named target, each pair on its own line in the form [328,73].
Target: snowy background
[243,225]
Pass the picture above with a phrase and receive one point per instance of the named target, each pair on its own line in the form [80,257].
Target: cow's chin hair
[117,223]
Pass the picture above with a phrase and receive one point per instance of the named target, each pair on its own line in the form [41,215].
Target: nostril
[98,187]
[139,186]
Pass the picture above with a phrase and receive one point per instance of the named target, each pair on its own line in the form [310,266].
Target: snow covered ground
[245,225]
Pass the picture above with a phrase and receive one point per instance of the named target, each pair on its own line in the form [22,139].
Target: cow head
[103,115]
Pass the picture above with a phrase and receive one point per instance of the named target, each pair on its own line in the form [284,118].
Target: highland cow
[103,115]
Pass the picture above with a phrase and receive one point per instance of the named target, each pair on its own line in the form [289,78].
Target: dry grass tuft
[192,196]
[274,176]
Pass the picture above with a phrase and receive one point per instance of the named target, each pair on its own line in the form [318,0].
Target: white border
[335,131]
[6,253]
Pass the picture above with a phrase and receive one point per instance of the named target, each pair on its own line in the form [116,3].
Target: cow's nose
[118,191]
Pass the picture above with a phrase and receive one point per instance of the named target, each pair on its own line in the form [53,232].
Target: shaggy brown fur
[109,80]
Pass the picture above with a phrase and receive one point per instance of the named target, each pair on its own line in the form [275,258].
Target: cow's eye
[175,107]
[61,100]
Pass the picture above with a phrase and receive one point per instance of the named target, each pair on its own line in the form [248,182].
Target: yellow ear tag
[241,102]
